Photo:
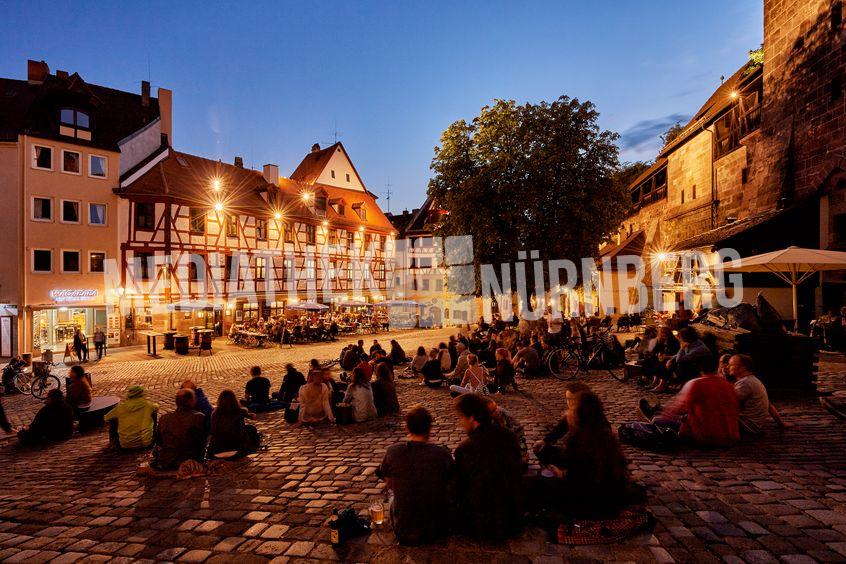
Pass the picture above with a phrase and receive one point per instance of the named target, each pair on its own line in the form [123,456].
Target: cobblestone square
[781,499]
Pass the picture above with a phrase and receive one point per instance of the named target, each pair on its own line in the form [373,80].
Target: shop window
[42,209]
[261,229]
[197,220]
[97,214]
[71,162]
[96,261]
[42,157]
[311,231]
[97,166]
[70,261]
[42,260]
[145,215]
[70,211]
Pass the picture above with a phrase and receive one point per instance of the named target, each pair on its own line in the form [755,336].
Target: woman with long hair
[504,375]
[593,480]
[360,396]
[475,379]
[385,391]
[229,430]
[314,400]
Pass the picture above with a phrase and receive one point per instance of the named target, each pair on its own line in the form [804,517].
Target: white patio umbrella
[794,265]
[398,303]
[308,306]
[352,303]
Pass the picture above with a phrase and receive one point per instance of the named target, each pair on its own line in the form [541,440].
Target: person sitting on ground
[201,401]
[181,434]
[661,348]
[444,358]
[686,364]
[592,480]
[546,450]
[256,391]
[397,354]
[292,381]
[79,390]
[360,397]
[461,364]
[384,391]
[229,431]
[53,422]
[314,400]
[381,357]
[527,360]
[365,366]
[504,418]
[754,403]
[504,375]
[536,344]
[431,371]
[475,379]
[360,347]
[705,411]
[419,360]
[375,347]
[420,476]
[452,347]
[489,470]
[132,422]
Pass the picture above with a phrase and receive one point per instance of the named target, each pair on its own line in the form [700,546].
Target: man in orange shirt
[705,411]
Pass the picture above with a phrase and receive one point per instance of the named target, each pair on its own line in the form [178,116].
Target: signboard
[72,295]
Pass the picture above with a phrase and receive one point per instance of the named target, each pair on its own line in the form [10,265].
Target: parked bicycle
[38,382]
[600,353]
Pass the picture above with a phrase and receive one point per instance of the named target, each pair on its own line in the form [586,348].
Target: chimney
[145,93]
[271,174]
[36,71]
[61,74]
[315,147]
[239,162]
[166,113]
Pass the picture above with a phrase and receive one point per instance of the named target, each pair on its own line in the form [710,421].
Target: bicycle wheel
[41,387]
[563,363]
[613,363]
[23,382]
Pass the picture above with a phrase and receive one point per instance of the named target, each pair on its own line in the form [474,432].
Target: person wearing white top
[475,378]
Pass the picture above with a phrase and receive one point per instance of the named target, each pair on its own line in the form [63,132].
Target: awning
[631,245]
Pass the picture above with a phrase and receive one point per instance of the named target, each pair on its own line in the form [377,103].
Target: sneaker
[646,410]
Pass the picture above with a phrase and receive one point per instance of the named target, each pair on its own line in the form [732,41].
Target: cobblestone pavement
[782,499]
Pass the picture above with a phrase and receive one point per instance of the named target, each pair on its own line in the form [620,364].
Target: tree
[628,172]
[670,135]
[531,177]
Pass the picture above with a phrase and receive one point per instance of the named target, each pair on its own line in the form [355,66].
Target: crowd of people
[481,488]
[312,326]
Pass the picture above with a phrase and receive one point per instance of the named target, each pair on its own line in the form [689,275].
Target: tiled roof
[33,109]
[723,233]
[313,164]
[375,217]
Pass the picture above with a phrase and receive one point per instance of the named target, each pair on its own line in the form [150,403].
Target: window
[145,214]
[348,177]
[334,235]
[143,263]
[74,118]
[261,265]
[377,243]
[42,209]
[261,229]
[70,211]
[97,214]
[70,261]
[320,203]
[42,157]
[339,208]
[289,232]
[693,192]
[310,234]
[231,225]
[42,260]
[70,162]
[96,261]
[97,166]
[682,196]
[333,174]
[287,268]
[197,220]
[362,213]
[380,272]
[196,263]
[350,240]
[309,269]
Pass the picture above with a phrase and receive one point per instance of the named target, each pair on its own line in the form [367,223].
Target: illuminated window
[197,220]
[261,229]
[311,231]
[261,265]
[231,225]
[96,261]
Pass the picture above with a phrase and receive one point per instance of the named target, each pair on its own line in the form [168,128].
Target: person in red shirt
[705,411]
[366,367]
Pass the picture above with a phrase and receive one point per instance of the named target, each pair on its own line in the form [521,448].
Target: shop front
[53,325]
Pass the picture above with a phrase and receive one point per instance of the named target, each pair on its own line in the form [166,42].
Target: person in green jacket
[132,421]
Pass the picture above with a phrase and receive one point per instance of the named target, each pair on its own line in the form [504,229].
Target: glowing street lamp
[277,216]
[218,207]
[216,184]
[306,196]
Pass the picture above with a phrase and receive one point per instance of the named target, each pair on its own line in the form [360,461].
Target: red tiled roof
[313,164]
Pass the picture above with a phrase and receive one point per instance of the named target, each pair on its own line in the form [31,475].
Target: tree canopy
[531,177]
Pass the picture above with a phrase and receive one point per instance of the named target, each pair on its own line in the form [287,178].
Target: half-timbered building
[205,243]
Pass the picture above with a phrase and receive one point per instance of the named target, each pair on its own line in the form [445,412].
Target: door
[5,336]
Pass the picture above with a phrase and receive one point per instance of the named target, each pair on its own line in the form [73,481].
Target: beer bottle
[334,528]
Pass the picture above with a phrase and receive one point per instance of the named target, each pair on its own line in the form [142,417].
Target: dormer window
[74,123]
[320,202]
[338,206]
[360,211]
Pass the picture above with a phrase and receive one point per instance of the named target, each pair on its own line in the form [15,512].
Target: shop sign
[72,295]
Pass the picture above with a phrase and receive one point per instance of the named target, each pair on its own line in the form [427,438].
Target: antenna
[149,74]
[388,194]
[335,132]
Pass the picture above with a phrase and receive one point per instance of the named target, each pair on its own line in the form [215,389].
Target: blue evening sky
[266,80]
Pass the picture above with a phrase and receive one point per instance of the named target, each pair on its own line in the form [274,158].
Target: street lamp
[216,184]
[218,206]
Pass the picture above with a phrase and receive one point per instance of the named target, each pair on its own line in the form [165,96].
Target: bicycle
[568,360]
[39,385]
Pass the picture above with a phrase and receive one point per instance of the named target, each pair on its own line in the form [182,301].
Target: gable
[343,168]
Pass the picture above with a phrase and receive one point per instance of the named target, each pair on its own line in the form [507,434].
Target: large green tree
[530,177]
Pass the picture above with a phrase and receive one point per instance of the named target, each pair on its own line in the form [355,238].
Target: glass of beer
[377,512]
